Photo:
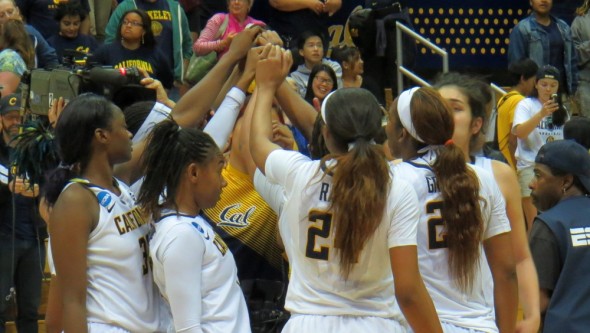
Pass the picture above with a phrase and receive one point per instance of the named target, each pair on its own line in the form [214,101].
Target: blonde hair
[583,9]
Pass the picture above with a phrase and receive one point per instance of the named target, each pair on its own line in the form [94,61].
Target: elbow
[407,295]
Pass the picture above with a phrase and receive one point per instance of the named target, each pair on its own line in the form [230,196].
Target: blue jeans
[25,277]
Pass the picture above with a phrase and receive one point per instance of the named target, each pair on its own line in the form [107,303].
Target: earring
[142,40]
[563,190]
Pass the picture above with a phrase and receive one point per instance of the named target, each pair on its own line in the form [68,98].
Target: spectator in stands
[522,83]
[40,14]
[547,40]
[537,120]
[322,81]
[228,24]
[581,39]
[45,56]
[17,55]
[349,58]
[311,48]
[291,18]
[135,46]
[559,236]
[22,235]
[171,31]
[70,15]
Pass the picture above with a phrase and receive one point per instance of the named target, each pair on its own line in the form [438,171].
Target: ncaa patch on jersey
[104,198]
[201,230]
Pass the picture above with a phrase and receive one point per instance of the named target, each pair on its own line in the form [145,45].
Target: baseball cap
[10,103]
[548,72]
[567,156]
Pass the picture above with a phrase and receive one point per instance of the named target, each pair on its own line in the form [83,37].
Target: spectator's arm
[187,39]
[46,56]
[517,48]
[581,41]
[207,42]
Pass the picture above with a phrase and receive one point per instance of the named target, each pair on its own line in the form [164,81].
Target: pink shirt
[207,42]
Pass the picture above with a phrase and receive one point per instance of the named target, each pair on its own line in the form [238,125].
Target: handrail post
[401,70]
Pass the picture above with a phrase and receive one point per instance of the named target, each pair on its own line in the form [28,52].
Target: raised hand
[272,71]
[242,42]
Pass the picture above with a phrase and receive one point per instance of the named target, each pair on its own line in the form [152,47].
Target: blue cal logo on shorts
[104,198]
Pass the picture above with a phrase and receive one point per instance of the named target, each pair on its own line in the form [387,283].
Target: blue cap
[567,156]
[10,103]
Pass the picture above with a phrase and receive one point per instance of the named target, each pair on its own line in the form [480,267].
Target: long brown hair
[433,120]
[361,178]
[14,36]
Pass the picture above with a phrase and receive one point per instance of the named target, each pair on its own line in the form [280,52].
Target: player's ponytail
[169,149]
[433,121]
[361,177]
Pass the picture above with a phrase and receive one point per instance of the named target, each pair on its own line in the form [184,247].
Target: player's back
[467,309]
[307,227]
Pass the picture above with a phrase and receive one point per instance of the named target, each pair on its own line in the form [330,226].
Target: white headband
[323,108]
[404,112]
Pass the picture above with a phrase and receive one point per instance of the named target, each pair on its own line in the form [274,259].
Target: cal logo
[104,198]
[232,216]
[12,101]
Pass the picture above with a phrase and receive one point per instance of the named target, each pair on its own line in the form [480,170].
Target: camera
[555,98]
[120,85]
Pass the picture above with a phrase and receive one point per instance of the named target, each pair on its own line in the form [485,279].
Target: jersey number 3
[325,220]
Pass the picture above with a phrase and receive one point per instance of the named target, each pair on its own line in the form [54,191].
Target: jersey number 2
[323,231]
[436,226]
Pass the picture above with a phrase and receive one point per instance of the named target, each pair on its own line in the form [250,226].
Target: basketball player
[342,216]
[465,96]
[462,217]
[98,236]
[193,268]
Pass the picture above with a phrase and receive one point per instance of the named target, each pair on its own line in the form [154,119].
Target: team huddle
[397,224]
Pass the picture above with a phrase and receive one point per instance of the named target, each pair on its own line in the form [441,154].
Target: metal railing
[401,70]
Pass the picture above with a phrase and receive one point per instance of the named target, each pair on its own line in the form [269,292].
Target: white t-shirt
[316,286]
[473,310]
[197,276]
[120,289]
[527,149]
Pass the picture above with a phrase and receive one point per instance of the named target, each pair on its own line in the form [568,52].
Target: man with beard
[22,233]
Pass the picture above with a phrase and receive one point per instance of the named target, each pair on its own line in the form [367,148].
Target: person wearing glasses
[322,81]
[170,30]
[135,46]
[311,48]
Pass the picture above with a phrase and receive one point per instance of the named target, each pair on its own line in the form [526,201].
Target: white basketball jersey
[473,309]
[120,288]
[307,228]
[197,276]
